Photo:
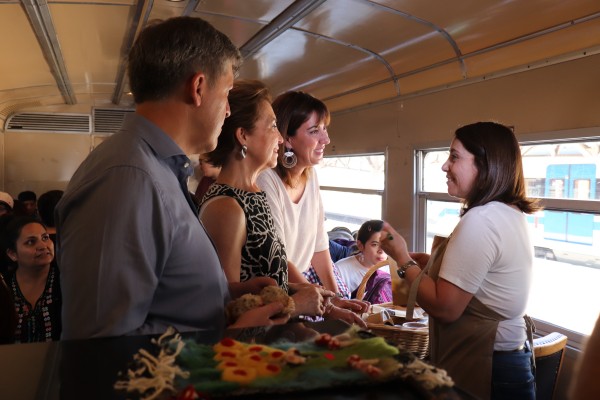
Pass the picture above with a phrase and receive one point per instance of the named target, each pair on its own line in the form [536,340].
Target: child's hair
[367,229]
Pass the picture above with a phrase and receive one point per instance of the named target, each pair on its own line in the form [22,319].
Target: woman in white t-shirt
[293,194]
[479,279]
[354,268]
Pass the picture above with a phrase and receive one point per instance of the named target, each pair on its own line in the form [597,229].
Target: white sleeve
[472,250]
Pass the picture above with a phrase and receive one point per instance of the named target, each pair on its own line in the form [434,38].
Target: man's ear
[197,87]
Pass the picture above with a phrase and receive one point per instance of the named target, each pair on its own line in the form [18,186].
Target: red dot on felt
[329,356]
[240,372]
[227,342]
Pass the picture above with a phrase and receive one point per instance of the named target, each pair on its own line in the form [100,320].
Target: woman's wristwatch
[402,269]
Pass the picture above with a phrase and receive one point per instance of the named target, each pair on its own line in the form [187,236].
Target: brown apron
[465,347]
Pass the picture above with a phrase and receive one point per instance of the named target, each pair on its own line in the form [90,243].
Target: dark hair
[168,53]
[367,229]
[27,195]
[245,99]
[46,204]
[292,109]
[499,165]
[12,230]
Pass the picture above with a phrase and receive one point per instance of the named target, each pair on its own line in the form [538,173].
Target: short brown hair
[245,99]
[499,165]
[169,52]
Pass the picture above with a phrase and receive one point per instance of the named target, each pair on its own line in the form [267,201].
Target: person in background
[378,288]
[46,205]
[34,282]
[148,263]
[292,191]
[210,174]
[341,243]
[479,278]
[28,202]
[6,203]
[235,211]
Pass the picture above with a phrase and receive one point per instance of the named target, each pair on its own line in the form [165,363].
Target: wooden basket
[415,340]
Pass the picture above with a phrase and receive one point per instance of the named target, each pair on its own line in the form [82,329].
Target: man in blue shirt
[134,257]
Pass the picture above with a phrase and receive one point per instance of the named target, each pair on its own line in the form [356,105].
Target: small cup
[414,325]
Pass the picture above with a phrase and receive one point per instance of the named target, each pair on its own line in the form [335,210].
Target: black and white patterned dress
[263,253]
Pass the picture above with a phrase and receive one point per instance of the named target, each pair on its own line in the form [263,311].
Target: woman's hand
[394,244]
[310,299]
[254,286]
[354,305]
[348,316]
[262,316]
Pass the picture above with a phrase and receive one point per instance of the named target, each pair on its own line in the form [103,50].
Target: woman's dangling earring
[361,258]
[289,159]
[244,150]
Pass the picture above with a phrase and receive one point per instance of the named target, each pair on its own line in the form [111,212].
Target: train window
[352,189]
[565,235]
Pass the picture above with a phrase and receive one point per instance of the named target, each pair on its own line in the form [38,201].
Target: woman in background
[292,190]
[35,283]
[479,279]
[378,288]
[235,211]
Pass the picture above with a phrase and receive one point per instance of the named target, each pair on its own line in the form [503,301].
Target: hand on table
[262,316]
[354,305]
[310,299]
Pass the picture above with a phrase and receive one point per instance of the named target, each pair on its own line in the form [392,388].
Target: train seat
[549,352]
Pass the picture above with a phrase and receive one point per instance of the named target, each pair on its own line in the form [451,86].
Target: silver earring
[244,150]
[289,159]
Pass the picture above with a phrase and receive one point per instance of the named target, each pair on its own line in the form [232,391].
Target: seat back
[549,352]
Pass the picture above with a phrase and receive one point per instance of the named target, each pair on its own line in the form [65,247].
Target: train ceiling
[69,54]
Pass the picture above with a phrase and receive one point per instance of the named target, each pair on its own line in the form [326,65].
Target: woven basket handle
[412,294]
[360,293]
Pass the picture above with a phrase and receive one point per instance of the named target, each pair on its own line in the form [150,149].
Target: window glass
[562,170]
[361,172]
[349,209]
[434,179]
[361,180]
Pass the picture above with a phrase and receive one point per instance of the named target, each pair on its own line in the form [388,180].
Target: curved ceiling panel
[284,64]
[405,44]
[354,99]
[91,39]
[264,10]
[571,39]
[20,68]
[349,52]
[237,29]
[431,78]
